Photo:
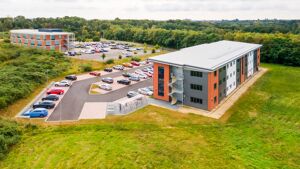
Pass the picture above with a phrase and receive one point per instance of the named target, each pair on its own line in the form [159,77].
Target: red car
[148,74]
[95,73]
[134,63]
[56,91]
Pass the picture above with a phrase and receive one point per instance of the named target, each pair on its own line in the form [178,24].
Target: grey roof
[207,56]
[37,32]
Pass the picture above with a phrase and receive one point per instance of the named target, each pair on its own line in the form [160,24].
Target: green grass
[262,132]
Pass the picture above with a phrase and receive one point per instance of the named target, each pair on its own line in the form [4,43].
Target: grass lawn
[262,132]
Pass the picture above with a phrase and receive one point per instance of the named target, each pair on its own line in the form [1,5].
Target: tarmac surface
[70,107]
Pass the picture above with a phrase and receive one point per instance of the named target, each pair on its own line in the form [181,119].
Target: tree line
[280,38]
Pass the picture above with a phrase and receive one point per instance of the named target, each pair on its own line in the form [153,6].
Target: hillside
[260,131]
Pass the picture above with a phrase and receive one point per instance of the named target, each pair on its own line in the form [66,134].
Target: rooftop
[40,31]
[207,56]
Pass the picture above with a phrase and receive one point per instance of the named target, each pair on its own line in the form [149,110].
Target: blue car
[39,112]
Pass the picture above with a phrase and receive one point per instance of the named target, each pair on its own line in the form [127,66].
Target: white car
[105,87]
[145,91]
[119,67]
[63,83]
[142,76]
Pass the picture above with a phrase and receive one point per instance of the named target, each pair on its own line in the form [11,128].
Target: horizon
[196,10]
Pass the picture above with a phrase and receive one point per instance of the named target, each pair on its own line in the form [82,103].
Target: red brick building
[49,39]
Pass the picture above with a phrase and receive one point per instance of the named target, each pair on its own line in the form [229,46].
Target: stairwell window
[161,78]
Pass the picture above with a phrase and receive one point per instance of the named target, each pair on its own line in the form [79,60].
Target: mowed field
[261,130]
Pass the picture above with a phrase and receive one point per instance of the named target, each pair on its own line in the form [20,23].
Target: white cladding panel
[250,63]
[231,77]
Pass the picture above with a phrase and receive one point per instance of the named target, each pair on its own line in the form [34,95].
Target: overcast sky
[154,9]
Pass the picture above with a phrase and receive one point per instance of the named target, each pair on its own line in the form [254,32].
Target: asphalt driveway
[72,103]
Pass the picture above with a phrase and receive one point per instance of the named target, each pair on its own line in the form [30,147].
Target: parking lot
[70,104]
[94,51]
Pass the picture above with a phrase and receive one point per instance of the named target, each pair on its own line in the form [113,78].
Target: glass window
[161,79]
[52,37]
[196,74]
[48,43]
[57,42]
[196,100]
[215,86]
[215,73]
[196,87]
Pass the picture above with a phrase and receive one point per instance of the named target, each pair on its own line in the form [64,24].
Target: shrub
[6,40]
[153,50]
[9,135]
[86,67]
[103,56]
[110,61]
[120,56]
[136,59]
[135,53]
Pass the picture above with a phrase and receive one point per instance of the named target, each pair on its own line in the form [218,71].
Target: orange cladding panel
[165,97]
[213,92]
[242,71]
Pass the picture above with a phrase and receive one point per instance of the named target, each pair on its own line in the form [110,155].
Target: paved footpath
[70,107]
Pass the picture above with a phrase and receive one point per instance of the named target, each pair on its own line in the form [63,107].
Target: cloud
[153,9]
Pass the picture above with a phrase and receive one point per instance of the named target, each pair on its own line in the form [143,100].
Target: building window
[215,99]
[224,79]
[48,43]
[196,74]
[220,94]
[52,37]
[39,43]
[215,86]
[57,42]
[196,100]
[220,82]
[196,87]
[215,73]
[161,79]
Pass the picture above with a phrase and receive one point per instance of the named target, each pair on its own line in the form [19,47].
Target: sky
[154,9]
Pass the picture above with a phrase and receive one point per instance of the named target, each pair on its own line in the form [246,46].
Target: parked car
[55,91]
[71,77]
[126,74]
[95,73]
[145,69]
[44,104]
[128,65]
[105,87]
[108,80]
[134,78]
[124,81]
[150,88]
[63,83]
[39,112]
[148,74]
[131,94]
[108,69]
[145,91]
[143,76]
[51,97]
[135,63]
[72,53]
[118,67]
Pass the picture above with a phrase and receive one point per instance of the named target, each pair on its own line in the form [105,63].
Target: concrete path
[93,110]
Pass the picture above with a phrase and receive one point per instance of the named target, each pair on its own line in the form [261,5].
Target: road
[72,103]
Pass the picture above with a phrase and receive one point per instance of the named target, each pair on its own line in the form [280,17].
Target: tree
[103,56]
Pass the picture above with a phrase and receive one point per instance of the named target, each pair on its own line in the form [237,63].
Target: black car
[51,97]
[44,104]
[131,94]
[108,80]
[71,77]
[126,74]
[124,81]
[108,69]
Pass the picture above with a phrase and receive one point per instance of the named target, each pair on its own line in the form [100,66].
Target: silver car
[63,83]
[105,87]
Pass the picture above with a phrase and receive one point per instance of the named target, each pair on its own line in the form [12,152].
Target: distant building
[202,76]
[50,39]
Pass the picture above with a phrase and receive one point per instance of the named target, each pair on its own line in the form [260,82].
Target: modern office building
[50,39]
[202,76]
